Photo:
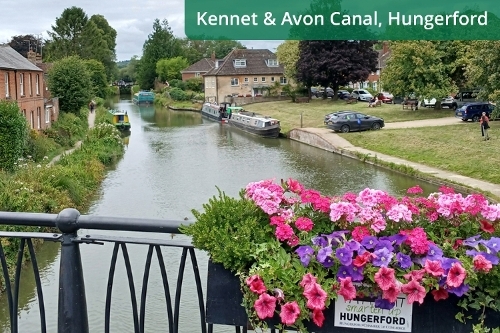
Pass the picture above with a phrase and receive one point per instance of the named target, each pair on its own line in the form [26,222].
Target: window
[240,63]
[272,78]
[255,79]
[263,79]
[21,84]
[245,80]
[39,117]
[30,86]
[272,62]
[32,119]
[213,82]
[235,81]
[47,115]
[37,84]
[197,74]
[283,80]
[7,92]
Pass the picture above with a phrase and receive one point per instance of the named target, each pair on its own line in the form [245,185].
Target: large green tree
[288,55]
[170,69]
[161,43]
[195,50]
[13,136]
[424,68]
[70,80]
[99,82]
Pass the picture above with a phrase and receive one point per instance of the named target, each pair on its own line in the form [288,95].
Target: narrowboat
[144,97]
[120,120]
[253,123]
[215,112]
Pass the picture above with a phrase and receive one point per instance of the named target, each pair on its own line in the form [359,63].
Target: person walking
[485,125]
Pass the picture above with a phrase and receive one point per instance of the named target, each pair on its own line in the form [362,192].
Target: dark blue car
[473,111]
[354,121]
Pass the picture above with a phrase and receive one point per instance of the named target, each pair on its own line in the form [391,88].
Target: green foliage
[195,84]
[13,134]
[160,44]
[178,84]
[178,95]
[170,69]
[40,146]
[67,130]
[230,229]
[195,50]
[70,80]
[288,55]
[482,69]
[97,78]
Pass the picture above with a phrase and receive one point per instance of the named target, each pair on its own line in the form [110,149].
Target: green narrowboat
[120,120]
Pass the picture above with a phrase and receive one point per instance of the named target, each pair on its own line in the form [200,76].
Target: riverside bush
[39,146]
[67,130]
[13,134]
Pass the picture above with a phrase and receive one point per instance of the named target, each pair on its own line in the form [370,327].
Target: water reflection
[165,118]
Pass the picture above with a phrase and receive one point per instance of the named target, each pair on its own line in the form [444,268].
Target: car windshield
[334,116]
[364,92]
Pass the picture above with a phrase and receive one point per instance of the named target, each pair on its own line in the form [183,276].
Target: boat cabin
[120,119]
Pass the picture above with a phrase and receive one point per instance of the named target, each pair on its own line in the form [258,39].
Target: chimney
[385,47]
[31,56]
[213,56]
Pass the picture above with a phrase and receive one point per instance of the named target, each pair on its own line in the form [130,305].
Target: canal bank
[326,139]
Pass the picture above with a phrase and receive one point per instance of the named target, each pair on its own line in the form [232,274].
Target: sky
[132,20]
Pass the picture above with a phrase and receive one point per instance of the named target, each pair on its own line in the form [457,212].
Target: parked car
[473,111]
[465,96]
[336,113]
[447,102]
[314,91]
[361,95]
[428,103]
[354,121]
[385,97]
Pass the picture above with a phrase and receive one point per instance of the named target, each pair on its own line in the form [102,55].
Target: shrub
[177,84]
[67,130]
[199,97]
[13,134]
[178,95]
[195,84]
[39,146]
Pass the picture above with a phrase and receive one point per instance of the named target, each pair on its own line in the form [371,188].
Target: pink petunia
[265,306]
[456,275]
[289,313]
[385,278]
[416,275]
[359,232]
[487,227]
[433,267]
[414,291]
[256,284]
[440,294]
[284,232]
[378,225]
[307,279]
[392,293]
[482,264]
[347,289]
[318,317]
[362,259]
[304,224]
[294,186]
[343,209]
[316,297]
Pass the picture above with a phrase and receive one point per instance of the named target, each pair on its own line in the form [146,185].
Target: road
[425,123]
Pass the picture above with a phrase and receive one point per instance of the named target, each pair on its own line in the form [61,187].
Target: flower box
[224,299]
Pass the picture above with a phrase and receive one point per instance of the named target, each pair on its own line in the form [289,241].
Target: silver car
[361,95]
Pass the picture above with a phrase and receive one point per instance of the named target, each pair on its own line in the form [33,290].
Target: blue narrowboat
[144,97]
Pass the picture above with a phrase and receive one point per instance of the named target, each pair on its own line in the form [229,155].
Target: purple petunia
[336,237]
[353,245]
[305,254]
[382,303]
[472,241]
[447,262]
[382,258]
[459,291]
[344,272]
[320,241]
[384,244]
[493,244]
[344,255]
[369,242]
[404,260]
[398,239]
[434,253]
[324,257]
[356,273]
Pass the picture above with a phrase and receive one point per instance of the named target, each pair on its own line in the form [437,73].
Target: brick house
[244,73]
[373,80]
[22,81]
[198,69]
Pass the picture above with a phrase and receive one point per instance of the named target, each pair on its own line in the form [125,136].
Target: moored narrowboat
[144,97]
[253,123]
[120,120]
[214,112]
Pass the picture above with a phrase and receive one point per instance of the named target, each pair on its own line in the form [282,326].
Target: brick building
[373,81]
[199,68]
[22,81]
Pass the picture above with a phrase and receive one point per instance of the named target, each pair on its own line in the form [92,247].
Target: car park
[350,121]
[361,95]
[473,111]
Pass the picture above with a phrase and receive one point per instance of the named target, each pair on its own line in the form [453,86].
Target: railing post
[72,307]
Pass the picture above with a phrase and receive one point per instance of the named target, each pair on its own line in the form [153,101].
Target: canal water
[173,163]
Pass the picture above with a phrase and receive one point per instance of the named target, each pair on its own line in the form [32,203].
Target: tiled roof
[11,59]
[204,65]
[256,63]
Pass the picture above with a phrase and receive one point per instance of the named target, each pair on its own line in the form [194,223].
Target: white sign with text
[364,314]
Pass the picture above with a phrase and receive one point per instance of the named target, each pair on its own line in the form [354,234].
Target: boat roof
[255,115]
[117,112]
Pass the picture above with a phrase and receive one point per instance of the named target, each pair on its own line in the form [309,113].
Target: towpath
[91,121]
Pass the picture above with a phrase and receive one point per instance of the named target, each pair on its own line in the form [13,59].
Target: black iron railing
[72,303]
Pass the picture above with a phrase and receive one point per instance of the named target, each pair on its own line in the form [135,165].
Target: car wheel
[344,129]
[475,118]
[454,106]
[376,126]
[359,98]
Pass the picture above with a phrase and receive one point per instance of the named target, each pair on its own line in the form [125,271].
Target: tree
[421,68]
[335,63]
[288,55]
[13,136]
[195,50]
[108,34]
[66,35]
[160,44]
[170,69]
[69,79]
[99,82]
[23,43]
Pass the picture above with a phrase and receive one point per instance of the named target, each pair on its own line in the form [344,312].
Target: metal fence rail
[72,303]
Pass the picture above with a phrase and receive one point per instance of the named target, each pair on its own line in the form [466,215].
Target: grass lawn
[313,113]
[455,148]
